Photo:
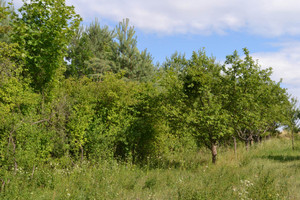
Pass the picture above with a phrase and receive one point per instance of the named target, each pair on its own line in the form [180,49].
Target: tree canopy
[77,92]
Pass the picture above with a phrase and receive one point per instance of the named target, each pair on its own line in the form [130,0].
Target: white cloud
[263,17]
[285,64]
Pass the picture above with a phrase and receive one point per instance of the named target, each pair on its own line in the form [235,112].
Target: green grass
[270,170]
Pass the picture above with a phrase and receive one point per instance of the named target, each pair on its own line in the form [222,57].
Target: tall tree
[5,21]
[95,50]
[43,29]
[16,98]
[292,119]
[91,51]
[203,86]
[252,100]
[137,65]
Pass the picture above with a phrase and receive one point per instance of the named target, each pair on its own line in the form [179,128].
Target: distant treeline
[88,93]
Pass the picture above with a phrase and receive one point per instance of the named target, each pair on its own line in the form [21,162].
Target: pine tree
[137,65]
[91,51]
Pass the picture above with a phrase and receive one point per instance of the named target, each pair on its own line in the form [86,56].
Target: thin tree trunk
[33,169]
[11,140]
[251,140]
[214,153]
[247,144]
[235,150]
[257,139]
[81,148]
[293,147]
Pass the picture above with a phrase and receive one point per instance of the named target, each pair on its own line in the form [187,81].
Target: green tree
[16,101]
[43,29]
[81,100]
[137,65]
[207,117]
[253,97]
[170,81]
[292,119]
[5,21]
[91,51]
[243,83]
[272,99]
[110,133]
[95,50]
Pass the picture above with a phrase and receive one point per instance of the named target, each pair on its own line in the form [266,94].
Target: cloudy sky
[270,29]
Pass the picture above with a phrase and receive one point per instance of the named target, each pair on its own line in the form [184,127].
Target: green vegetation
[85,114]
[269,171]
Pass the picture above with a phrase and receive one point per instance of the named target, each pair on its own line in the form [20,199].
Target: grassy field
[270,170]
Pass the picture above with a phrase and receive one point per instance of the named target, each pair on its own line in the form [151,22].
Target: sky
[270,29]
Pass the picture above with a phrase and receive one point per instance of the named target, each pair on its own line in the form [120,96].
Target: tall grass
[270,170]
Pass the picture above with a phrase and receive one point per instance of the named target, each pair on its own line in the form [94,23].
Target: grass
[270,170]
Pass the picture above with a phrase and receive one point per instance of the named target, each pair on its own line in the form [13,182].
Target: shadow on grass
[282,158]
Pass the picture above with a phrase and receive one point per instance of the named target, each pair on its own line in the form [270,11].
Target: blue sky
[270,29]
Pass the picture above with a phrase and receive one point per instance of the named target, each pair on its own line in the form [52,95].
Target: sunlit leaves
[43,30]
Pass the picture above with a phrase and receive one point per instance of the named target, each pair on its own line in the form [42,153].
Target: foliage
[137,65]
[5,16]
[91,51]
[113,106]
[271,172]
[203,86]
[292,116]
[43,30]
[254,99]
[96,50]
[17,103]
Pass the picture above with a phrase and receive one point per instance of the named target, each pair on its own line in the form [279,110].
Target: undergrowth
[270,170]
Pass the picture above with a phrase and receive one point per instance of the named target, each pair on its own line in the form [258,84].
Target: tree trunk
[235,151]
[256,139]
[293,147]
[81,148]
[214,153]
[251,140]
[247,144]
[11,140]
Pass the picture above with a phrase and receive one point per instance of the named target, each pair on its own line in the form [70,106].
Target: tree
[137,66]
[170,80]
[272,99]
[95,50]
[5,16]
[293,116]
[16,99]
[203,85]
[110,132]
[43,29]
[91,51]
[81,100]
[254,99]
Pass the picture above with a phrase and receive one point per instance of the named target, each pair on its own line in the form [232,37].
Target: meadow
[270,170]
